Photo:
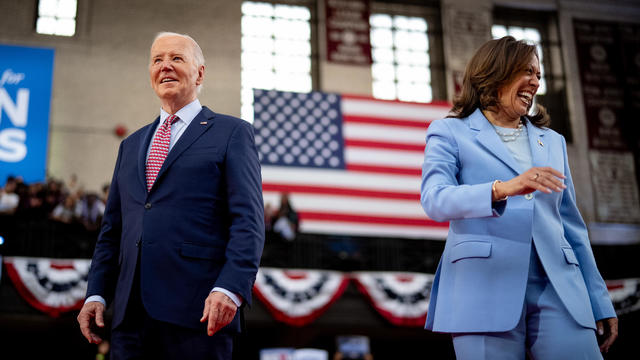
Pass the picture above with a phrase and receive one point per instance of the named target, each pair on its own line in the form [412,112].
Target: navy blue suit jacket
[200,226]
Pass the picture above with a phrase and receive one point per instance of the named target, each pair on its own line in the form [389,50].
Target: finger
[205,312]
[551,183]
[213,321]
[99,317]
[554,172]
[86,332]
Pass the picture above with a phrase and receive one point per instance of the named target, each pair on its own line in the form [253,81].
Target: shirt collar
[186,114]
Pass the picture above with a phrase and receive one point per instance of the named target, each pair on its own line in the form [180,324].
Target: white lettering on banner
[12,140]
[11,78]
[17,111]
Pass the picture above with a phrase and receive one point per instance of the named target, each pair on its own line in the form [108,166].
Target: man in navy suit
[180,243]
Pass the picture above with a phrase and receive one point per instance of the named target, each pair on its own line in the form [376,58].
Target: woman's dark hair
[495,64]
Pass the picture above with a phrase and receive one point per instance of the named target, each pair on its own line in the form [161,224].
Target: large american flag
[351,164]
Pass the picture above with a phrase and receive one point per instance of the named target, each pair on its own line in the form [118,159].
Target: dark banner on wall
[609,62]
[25,97]
[347,28]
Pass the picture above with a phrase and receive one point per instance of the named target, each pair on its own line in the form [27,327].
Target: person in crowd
[9,200]
[183,229]
[286,222]
[65,211]
[517,275]
[89,211]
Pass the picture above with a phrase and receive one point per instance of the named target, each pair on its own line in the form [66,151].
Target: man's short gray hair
[197,52]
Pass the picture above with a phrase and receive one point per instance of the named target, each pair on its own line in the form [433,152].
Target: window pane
[254,8]
[516,32]
[257,61]
[292,47]
[402,40]
[257,44]
[401,22]
[67,9]
[383,72]
[285,63]
[46,25]
[531,35]
[384,90]
[48,8]
[258,26]
[380,21]
[66,27]
[414,92]
[418,41]
[292,12]
[418,24]
[412,74]
[382,55]
[498,31]
[381,38]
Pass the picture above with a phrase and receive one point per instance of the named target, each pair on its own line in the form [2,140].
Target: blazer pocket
[570,256]
[470,249]
[202,251]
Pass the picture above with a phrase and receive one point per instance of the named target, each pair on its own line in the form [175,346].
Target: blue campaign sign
[25,98]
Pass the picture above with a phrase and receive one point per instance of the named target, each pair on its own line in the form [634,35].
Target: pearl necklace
[510,136]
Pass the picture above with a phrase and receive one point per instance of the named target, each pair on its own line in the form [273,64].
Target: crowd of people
[65,202]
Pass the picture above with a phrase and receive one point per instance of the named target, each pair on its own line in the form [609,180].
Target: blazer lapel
[489,139]
[201,123]
[539,150]
[142,153]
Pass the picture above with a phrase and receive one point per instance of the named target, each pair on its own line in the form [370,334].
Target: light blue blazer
[482,275]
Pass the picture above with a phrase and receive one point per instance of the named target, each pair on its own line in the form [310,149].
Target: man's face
[173,70]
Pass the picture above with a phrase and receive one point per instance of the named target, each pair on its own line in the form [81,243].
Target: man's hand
[91,311]
[219,309]
[608,331]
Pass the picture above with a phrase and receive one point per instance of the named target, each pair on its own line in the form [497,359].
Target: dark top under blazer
[200,226]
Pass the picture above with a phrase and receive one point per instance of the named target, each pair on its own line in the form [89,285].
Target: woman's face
[516,97]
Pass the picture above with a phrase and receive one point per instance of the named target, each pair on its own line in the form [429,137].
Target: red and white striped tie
[159,150]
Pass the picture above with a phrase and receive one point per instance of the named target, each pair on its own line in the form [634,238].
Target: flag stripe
[383,169]
[350,204]
[384,133]
[375,230]
[394,158]
[344,217]
[333,190]
[291,176]
[382,121]
[392,109]
[383,145]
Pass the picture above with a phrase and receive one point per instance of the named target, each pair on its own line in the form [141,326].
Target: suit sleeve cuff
[96,298]
[236,299]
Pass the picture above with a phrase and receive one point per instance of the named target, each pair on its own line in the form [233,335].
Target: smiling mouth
[166,80]
[526,97]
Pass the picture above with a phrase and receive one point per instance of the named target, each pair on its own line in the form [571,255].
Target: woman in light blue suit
[517,275]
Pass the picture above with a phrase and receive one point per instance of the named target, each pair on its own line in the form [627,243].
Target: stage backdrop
[25,97]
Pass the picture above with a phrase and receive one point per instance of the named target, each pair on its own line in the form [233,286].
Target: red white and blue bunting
[625,294]
[298,297]
[53,286]
[295,297]
[400,297]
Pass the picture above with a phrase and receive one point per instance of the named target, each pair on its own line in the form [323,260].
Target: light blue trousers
[546,330]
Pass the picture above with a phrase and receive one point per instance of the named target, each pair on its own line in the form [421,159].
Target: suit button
[147,206]
[529,196]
